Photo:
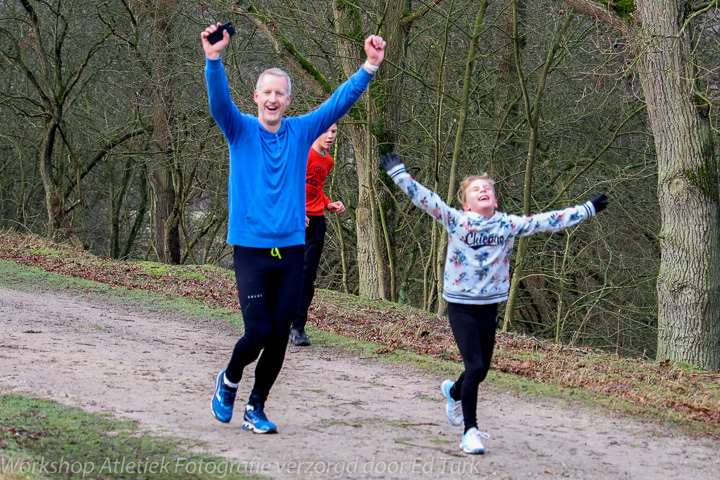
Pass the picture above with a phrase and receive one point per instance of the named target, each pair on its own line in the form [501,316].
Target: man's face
[272,100]
[480,198]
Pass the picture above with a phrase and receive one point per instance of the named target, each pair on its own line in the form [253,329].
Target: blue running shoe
[256,420]
[223,400]
[453,408]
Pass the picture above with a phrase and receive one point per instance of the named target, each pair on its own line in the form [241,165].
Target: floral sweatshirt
[477,267]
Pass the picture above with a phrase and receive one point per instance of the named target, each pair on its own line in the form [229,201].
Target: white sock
[228,382]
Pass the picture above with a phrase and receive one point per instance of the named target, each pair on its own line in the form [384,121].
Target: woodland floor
[339,415]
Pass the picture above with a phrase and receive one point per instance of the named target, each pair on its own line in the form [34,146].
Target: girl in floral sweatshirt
[477,275]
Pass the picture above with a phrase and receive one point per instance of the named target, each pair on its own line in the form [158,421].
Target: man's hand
[336,207]
[307,221]
[600,202]
[214,51]
[375,50]
[390,160]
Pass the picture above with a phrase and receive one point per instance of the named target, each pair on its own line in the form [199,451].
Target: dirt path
[342,416]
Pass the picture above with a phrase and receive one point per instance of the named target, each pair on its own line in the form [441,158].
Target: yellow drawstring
[275,252]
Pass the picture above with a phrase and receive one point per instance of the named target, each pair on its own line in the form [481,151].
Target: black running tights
[314,242]
[268,284]
[474,329]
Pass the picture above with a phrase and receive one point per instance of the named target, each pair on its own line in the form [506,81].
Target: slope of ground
[665,391]
[340,416]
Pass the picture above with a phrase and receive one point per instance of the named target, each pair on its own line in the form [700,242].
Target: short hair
[468,180]
[277,72]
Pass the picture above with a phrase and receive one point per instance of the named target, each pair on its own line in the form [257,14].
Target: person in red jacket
[316,202]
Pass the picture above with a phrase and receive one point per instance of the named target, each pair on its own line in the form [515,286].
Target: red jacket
[318,168]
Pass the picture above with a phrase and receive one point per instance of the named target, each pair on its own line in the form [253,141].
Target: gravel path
[339,416]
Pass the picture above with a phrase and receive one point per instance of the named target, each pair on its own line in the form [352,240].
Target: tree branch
[67,88]
[30,77]
[59,41]
[704,6]
[34,34]
[286,50]
[698,10]
[592,162]
[601,13]
[420,13]
[102,153]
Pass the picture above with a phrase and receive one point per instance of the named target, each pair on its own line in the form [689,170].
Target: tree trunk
[388,104]
[55,208]
[140,212]
[505,108]
[165,219]
[46,168]
[689,279]
[116,201]
[532,113]
[458,144]
[54,83]
[438,152]
[165,203]
[350,32]
[367,258]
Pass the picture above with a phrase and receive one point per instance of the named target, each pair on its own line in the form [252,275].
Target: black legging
[474,329]
[314,242]
[268,283]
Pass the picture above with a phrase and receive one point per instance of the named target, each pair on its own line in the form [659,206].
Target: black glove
[600,202]
[390,160]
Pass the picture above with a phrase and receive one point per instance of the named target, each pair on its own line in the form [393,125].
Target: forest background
[107,142]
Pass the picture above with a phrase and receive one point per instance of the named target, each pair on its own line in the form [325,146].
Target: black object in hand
[600,202]
[390,160]
[217,35]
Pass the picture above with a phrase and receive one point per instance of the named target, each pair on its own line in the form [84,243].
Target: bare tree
[56,73]
[660,33]
[533,105]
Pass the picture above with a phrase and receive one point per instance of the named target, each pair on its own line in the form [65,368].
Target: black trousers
[268,283]
[473,327]
[314,243]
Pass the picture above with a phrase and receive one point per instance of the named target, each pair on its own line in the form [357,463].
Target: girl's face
[480,198]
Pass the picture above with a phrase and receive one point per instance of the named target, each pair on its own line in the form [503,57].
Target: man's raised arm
[375,51]
[349,92]
[213,51]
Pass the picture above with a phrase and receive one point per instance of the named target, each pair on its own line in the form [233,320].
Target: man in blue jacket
[268,157]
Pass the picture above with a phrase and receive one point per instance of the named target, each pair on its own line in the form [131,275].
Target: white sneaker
[472,442]
[453,408]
